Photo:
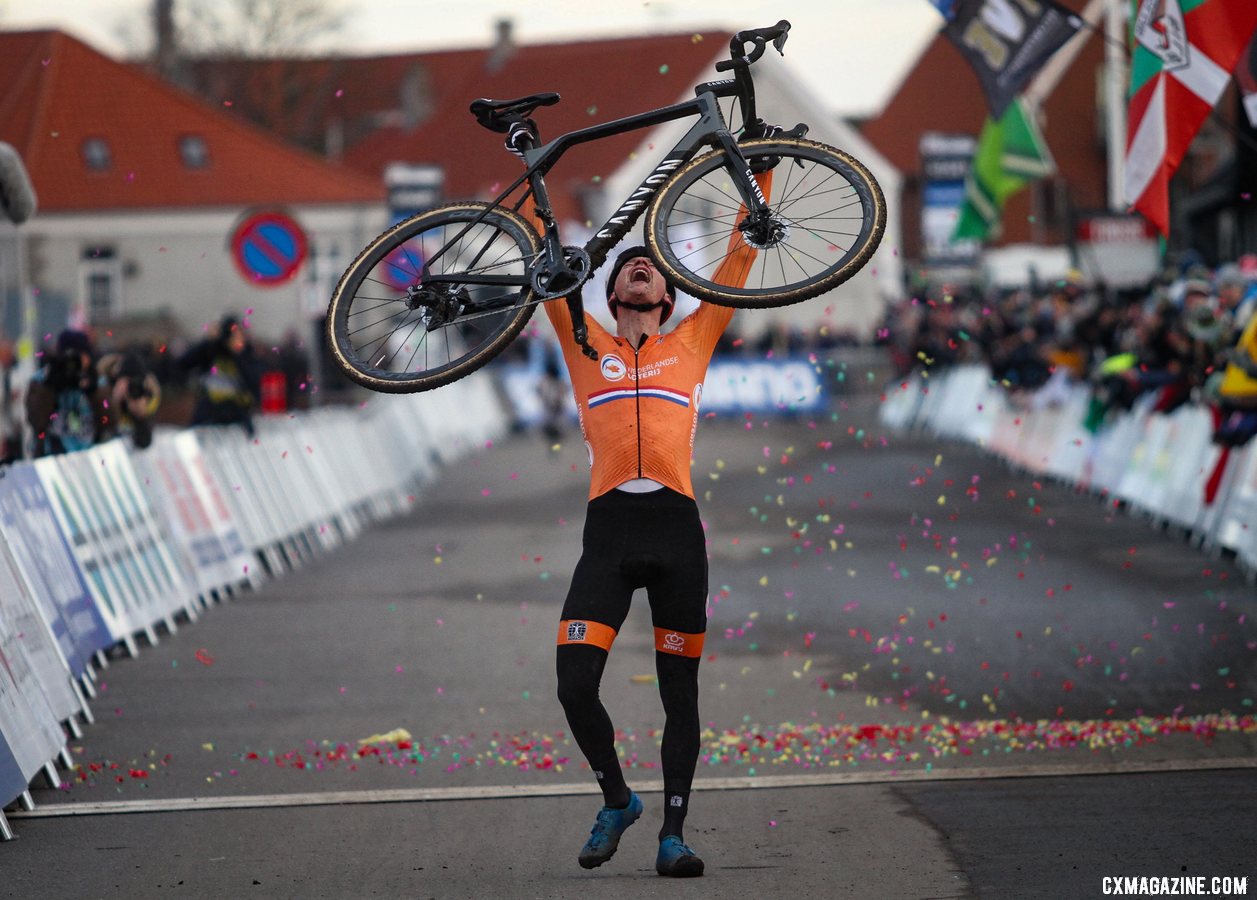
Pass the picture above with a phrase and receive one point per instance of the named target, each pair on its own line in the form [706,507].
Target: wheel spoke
[825,217]
[386,339]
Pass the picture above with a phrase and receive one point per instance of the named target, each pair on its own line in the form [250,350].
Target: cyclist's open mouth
[640,275]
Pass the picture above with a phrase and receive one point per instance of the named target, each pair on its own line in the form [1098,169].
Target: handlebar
[759,38]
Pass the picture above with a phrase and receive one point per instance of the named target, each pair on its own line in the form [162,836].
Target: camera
[134,372]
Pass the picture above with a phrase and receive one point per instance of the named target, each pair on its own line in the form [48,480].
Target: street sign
[412,187]
[268,248]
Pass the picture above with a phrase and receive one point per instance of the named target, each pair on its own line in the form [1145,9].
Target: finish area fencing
[104,548]
[1163,467]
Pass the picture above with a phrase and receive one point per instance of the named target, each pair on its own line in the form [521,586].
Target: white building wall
[180,262]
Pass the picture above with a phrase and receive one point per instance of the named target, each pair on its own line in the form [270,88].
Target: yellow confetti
[397,734]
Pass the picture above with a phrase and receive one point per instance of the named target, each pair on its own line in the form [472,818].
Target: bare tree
[258,28]
[256,58]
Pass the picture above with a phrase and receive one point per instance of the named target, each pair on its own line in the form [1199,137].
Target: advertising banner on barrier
[178,483]
[12,781]
[47,565]
[212,494]
[28,725]
[94,540]
[163,577]
[49,666]
[763,386]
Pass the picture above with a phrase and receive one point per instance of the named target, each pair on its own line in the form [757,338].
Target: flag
[1006,42]
[1246,78]
[1181,60]
[1011,153]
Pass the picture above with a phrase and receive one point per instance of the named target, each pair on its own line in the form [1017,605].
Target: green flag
[1011,153]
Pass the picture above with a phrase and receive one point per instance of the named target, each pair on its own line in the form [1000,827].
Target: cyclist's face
[640,282]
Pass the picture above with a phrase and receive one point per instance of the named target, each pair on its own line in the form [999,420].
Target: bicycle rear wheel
[420,306]
[828,215]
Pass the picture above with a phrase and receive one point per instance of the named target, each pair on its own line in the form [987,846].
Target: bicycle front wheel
[434,298]
[828,215]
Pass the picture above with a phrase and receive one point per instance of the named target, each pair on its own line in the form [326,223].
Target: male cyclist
[638,405]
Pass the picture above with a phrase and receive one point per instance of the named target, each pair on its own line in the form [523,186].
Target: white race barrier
[1237,515]
[100,547]
[28,527]
[1157,464]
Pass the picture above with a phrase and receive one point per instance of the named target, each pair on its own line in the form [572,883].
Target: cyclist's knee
[579,671]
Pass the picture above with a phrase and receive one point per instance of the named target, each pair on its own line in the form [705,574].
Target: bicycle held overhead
[438,295]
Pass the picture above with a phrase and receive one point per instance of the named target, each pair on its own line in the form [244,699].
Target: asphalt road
[925,676]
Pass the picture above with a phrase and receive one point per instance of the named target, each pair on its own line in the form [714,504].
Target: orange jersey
[639,407]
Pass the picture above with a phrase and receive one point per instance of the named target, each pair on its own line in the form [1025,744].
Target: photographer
[133,395]
[64,400]
[228,380]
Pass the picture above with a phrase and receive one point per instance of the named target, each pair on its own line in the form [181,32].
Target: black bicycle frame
[710,129]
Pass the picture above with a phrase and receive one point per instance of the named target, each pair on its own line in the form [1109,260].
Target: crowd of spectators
[1191,336]
[78,396]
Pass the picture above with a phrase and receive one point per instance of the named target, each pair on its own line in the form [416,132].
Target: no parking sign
[268,248]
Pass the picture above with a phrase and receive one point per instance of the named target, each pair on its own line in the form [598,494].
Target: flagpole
[1115,101]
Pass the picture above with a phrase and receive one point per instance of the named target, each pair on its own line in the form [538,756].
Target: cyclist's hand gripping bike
[440,294]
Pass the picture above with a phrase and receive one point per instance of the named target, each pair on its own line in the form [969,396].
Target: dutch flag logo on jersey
[598,398]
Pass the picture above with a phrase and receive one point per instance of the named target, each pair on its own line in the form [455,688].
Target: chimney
[503,45]
[166,48]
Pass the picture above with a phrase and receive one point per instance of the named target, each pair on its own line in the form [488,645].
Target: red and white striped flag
[1183,54]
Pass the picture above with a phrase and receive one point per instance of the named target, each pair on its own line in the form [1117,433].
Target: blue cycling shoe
[604,838]
[677,860]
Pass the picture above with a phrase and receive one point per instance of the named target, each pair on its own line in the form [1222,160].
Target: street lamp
[17,204]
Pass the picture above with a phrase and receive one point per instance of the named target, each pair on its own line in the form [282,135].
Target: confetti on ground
[808,746]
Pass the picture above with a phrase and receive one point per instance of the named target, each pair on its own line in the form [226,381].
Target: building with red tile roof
[413,107]
[97,134]
[141,186]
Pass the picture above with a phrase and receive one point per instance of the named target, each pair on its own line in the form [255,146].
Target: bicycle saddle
[497,115]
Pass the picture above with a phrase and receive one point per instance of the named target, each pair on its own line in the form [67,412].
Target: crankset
[558,278]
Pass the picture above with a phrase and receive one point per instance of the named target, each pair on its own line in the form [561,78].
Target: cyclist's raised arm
[704,326]
[735,268]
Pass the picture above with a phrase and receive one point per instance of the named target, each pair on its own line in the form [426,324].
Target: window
[194,151]
[96,154]
[100,276]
